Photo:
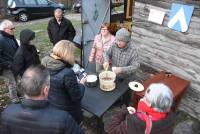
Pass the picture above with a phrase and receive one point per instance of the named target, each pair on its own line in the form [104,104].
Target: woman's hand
[90,60]
[131,110]
[82,81]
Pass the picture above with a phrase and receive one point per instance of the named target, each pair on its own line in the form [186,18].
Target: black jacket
[65,92]
[64,31]
[8,48]
[37,117]
[26,54]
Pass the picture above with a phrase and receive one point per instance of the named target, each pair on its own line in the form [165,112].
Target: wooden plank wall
[165,49]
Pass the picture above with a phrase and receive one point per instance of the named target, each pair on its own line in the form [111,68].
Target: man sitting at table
[123,54]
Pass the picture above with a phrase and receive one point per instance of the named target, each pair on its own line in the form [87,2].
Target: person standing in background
[101,43]
[26,54]
[8,48]
[60,28]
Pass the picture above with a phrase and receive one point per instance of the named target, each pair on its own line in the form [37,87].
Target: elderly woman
[101,43]
[65,92]
[152,116]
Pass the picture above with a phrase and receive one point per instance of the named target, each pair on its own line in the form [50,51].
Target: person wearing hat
[26,54]
[122,54]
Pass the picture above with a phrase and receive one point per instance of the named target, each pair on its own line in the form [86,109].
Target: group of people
[115,51]
[51,92]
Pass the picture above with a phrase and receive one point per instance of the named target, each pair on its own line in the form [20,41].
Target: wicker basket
[107,80]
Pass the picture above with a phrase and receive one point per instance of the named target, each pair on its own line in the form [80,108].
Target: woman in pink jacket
[101,43]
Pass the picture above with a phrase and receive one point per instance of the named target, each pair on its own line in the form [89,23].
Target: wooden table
[175,83]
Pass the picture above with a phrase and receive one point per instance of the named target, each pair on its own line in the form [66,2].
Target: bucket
[107,80]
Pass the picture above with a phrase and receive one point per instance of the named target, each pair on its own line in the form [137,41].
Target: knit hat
[26,36]
[123,34]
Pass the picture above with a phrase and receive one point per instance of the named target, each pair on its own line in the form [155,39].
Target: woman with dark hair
[26,54]
[65,92]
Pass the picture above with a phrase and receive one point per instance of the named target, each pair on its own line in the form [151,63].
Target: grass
[42,40]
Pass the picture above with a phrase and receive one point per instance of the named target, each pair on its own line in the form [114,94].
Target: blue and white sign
[180,17]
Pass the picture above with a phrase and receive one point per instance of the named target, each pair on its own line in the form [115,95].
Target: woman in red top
[152,116]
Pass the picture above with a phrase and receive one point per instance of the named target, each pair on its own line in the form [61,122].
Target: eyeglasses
[11,28]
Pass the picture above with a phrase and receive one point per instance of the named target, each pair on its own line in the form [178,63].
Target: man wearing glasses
[8,47]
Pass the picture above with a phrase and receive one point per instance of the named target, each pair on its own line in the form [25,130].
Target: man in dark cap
[123,54]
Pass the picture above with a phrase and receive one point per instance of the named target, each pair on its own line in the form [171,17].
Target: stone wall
[165,49]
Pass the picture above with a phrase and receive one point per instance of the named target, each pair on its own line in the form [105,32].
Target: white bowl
[91,78]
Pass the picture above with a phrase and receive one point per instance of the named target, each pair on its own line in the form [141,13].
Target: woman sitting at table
[65,92]
[152,116]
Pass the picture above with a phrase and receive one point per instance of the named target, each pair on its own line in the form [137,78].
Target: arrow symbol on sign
[180,16]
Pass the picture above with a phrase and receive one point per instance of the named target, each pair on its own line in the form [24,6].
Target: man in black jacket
[8,48]
[60,28]
[35,115]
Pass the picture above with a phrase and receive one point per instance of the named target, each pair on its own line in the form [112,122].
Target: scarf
[155,115]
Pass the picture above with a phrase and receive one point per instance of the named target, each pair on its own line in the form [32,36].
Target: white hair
[5,24]
[159,96]
[58,10]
